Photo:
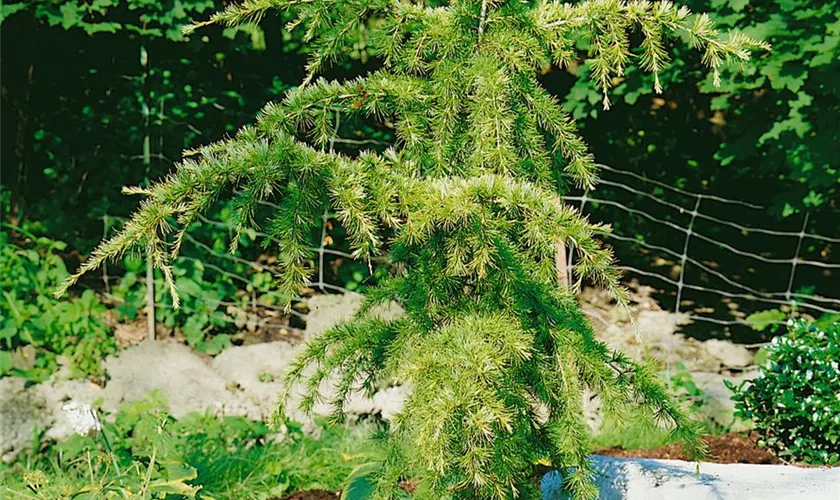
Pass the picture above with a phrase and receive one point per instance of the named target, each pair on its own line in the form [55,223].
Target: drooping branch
[466,203]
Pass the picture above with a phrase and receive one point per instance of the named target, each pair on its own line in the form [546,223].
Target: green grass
[200,454]
[639,436]
[297,463]
[633,437]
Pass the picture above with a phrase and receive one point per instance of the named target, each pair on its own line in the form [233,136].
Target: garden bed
[732,448]
[313,495]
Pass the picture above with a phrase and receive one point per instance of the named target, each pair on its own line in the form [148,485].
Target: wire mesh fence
[233,289]
[717,268]
[694,247]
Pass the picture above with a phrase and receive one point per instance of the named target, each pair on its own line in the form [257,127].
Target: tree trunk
[561,265]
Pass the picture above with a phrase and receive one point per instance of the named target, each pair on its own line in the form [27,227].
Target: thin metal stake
[150,300]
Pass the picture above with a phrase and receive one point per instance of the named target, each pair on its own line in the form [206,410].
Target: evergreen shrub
[467,205]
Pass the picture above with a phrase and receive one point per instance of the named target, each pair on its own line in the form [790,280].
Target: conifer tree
[467,204]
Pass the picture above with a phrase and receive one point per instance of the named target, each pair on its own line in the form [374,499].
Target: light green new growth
[467,206]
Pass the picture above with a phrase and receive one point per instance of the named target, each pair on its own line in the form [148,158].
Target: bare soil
[733,448]
[313,495]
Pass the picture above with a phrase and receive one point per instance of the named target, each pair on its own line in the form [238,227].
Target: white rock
[242,381]
[646,479]
[257,371]
[27,409]
[388,402]
[730,355]
[82,418]
[717,398]
[328,309]
[55,394]
[184,379]
[21,413]
[654,335]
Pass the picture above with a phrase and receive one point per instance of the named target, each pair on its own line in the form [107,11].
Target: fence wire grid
[698,261]
[710,255]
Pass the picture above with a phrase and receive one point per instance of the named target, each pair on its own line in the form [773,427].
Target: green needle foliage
[467,206]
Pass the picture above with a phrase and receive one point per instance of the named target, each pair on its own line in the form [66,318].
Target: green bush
[35,327]
[793,403]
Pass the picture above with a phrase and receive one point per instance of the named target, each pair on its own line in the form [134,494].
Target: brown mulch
[313,495]
[730,448]
[408,486]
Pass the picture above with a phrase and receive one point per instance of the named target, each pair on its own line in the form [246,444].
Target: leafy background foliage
[35,327]
[95,86]
[99,95]
[766,136]
[82,105]
[772,123]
